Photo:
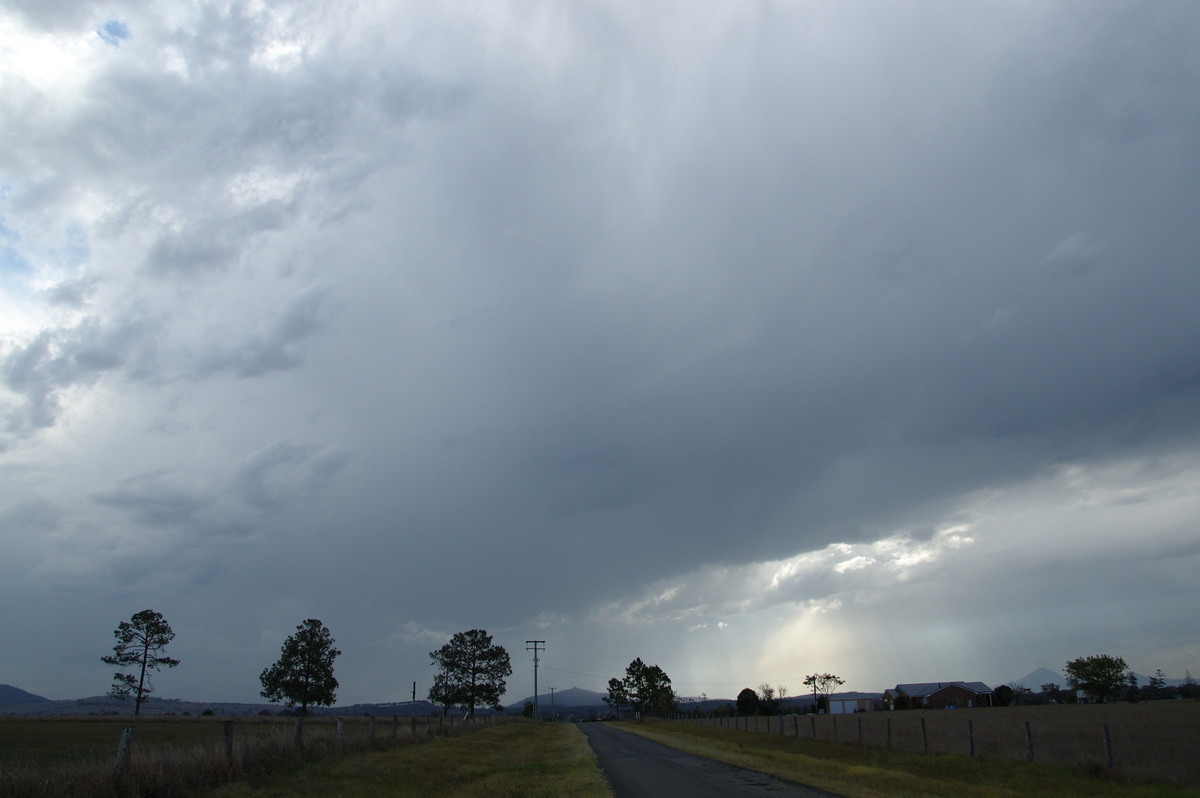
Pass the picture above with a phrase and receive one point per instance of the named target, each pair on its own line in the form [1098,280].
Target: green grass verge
[531,760]
[862,772]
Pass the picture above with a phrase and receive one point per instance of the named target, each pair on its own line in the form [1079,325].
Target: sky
[752,339]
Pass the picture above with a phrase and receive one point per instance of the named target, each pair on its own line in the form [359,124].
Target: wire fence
[1154,740]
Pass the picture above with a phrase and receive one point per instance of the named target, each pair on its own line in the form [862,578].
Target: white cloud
[950,606]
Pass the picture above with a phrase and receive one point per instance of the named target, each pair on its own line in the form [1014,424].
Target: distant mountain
[575,697]
[10,696]
[1035,679]
[29,704]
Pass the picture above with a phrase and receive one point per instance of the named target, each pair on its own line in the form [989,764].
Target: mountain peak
[1035,679]
[10,695]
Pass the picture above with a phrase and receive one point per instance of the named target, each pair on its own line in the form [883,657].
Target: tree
[1053,693]
[1100,675]
[645,688]
[771,699]
[445,693]
[472,672]
[1188,688]
[748,702]
[1158,683]
[1003,695]
[822,684]
[140,641]
[304,672]
[1021,694]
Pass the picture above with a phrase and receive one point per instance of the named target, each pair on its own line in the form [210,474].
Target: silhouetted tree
[139,643]
[748,702]
[823,685]
[1100,675]
[772,699]
[1021,694]
[1052,692]
[1189,688]
[304,672]
[645,688]
[472,674]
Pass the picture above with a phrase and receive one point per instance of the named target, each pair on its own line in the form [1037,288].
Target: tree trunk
[137,704]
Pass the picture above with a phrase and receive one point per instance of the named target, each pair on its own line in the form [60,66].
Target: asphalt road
[639,768]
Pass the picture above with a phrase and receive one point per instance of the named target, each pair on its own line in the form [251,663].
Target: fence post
[123,750]
[889,732]
[796,725]
[341,733]
[835,728]
[229,743]
[781,725]
[1108,755]
[814,725]
[971,736]
[299,731]
[372,732]
[1029,740]
[924,737]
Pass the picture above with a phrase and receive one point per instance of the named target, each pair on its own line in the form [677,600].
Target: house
[938,695]
[847,703]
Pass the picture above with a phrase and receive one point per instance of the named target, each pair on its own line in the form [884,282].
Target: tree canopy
[645,688]
[472,672]
[1100,675]
[139,643]
[748,702]
[823,685]
[304,672]
[772,699]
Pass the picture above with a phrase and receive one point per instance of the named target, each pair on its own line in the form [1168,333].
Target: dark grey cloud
[278,345]
[283,471]
[154,500]
[664,335]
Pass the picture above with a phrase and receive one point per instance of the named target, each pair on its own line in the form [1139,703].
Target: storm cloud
[694,334]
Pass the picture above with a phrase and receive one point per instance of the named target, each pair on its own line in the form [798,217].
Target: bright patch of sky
[113,32]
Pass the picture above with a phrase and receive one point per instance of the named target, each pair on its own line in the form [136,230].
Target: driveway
[639,768]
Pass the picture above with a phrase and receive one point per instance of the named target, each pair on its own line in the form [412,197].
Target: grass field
[42,740]
[186,756]
[183,755]
[1151,740]
[863,771]
[521,760]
